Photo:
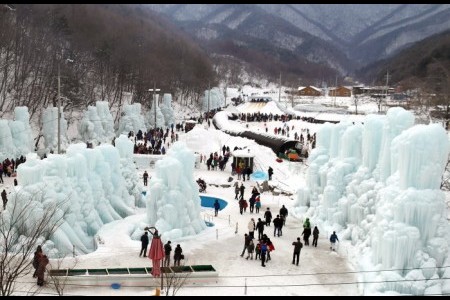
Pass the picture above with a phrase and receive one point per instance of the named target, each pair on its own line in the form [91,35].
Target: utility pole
[279,91]
[387,82]
[335,91]
[387,87]
[59,109]
[209,94]
[154,89]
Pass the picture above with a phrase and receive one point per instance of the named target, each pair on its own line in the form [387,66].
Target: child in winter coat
[258,251]
[257,204]
[250,249]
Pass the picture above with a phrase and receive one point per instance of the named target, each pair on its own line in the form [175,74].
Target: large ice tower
[379,185]
[50,129]
[212,99]
[97,125]
[131,119]
[173,205]
[89,182]
[15,136]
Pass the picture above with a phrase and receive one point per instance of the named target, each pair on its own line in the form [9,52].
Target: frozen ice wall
[150,120]
[216,99]
[167,110]
[16,136]
[50,129]
[173,205]
[380,189]
[131,120]
[97,125]
[128,167]
[89,183]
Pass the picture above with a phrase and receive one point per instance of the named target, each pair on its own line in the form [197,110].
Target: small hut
[244,156]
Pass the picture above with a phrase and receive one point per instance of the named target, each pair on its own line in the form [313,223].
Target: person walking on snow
[250,249]
[144,242]
[216,207]
[283,214]
[333,239]
[251,228]
[315,236]
[260,227]
[236,190]
[4,198]
[167,251]
[247,240]
[297,248]
[145,178]
[263,253]
[268,216]
[242,190]
[270,172]
[177,256]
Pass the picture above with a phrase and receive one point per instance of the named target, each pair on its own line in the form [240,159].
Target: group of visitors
[178,252]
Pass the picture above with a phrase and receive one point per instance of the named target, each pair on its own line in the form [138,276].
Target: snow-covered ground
[321,271]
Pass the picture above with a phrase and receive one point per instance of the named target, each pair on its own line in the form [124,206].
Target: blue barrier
[208,201]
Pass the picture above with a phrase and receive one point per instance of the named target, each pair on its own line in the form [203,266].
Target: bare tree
[356,100]
[27,220]
[59,275]
[174,278]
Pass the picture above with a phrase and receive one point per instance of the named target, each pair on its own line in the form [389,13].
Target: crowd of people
[264,246]
[215,160]
[153,141]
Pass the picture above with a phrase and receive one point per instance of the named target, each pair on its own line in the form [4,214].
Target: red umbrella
[156,254]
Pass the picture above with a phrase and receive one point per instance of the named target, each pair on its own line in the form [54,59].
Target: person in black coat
[268,216]
[4,198]
[270,172]
[260,227]
[216,207]
[167,250]
[144,241]
[178,253]
[315,236]
[297,248]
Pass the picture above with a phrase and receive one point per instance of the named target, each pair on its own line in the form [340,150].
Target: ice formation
[50,129]
[167,110]
[150,120]
[173,205]
[89,183]
[216,99]
[131,120]
[379,185]
[15,136]
[97,125]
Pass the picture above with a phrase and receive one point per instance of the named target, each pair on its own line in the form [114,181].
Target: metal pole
[209,93]
[154,99]
[59,110]
[279,91]
[335,91]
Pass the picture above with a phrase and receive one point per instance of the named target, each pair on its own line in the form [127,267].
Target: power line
[266,285]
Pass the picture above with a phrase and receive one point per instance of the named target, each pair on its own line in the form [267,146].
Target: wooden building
[309,91]
[340,91]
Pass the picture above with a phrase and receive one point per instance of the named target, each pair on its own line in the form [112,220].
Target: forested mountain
[343,37]
[425,64]
[102,51]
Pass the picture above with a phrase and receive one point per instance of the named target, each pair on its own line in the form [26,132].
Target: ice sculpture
[173,205]
[150,120]
[50,129]
[90,183]
[131,120]
[97,125]
[167,110]
[379,186]
[16,136]
[212,99]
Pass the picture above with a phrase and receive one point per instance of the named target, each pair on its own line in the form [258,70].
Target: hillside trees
[114,49]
